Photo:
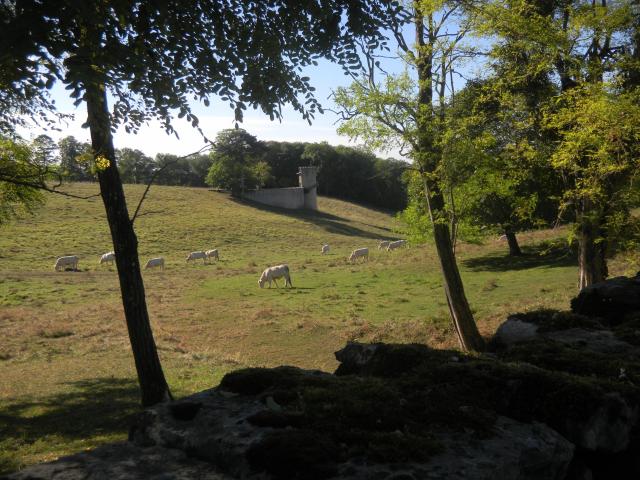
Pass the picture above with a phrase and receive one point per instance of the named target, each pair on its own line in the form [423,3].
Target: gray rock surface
[122,461]
[609,429]
[516,451]
[601,341]
[515,331]
[220,433]
[202,435]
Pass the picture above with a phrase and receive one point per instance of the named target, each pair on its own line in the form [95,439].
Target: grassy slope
[66,374]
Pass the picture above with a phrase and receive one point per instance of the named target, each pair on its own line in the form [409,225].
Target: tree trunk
[591,254]
[427,156]
[514,248]
[466,329]
[153,386]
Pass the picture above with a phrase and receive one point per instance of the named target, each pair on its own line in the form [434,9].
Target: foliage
[75,159]
[163,72]
[382,115]
[590,52]
[283,158]
[495,160]
[598,151]
[134,166]
[357,174]
[44,150]
[20,177]
[235,165]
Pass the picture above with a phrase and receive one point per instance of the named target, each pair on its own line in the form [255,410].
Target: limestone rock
[515,331]
[242,435]
[600,341]
[122,461]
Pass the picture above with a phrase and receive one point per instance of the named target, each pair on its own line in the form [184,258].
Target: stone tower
[307,179]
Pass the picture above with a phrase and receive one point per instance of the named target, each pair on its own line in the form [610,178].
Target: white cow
[272,273]
[68,261]
[383,244]
[108,257]
[212,254]
[325,248]
[359,253]
[196,255]
[396,244]
[155,262]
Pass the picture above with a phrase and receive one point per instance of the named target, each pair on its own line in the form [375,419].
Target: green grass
[67,379]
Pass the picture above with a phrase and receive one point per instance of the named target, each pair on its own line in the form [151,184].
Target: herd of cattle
[270,274]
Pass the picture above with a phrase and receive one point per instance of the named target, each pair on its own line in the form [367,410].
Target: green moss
[558,357]
[629,330]
[253,381]
[549,320]
[390,413]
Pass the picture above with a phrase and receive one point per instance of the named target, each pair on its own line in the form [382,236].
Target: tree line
[239,160]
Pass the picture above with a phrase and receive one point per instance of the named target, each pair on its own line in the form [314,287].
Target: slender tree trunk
[154,388]
[465,326]
[514,248]
[592,248]
[427,157]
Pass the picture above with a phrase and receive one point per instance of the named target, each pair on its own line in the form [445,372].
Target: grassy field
[67,380]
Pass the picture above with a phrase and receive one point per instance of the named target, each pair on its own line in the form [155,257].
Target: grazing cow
[196,255]
[359,253]
[212,254]
[383,244]
[108,257]
[396,244]
[325,248]
[155,262]
[68,261]
[272,273]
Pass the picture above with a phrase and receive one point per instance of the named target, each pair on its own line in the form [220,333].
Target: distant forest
[343,172]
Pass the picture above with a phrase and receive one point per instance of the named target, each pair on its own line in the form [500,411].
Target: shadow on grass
[329,222]
[532,257]
[100,406]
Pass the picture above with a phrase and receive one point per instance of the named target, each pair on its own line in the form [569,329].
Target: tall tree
[44,150]
[134,165]
[74,161]
[410,111]
[152,57]
[590,47]
[235,163]
[496,158]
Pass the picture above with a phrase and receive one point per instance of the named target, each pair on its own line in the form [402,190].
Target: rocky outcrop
[123,461]
[613,299]
[292,423]
[598,341]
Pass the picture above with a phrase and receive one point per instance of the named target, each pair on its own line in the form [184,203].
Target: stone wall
[278,197]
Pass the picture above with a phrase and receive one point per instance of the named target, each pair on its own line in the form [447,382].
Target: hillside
[65,351]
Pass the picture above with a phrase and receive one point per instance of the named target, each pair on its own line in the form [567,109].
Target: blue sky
[152,139]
